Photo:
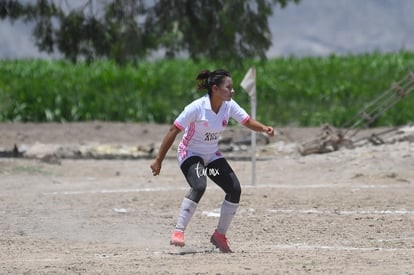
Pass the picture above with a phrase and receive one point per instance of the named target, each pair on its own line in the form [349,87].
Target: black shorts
[218,171]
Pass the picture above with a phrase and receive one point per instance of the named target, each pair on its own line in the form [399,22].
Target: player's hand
[156,167]
[270,131]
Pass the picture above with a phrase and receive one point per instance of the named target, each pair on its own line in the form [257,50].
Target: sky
[321,27]
[312,28]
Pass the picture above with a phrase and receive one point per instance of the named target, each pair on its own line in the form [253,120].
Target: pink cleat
[220,241]
[177,238]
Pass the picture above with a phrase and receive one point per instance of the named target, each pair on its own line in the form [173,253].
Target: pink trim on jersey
[178,125]
[245,120]
[186,139]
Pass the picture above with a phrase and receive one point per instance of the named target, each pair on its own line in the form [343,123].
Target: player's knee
[197,191]
[234,194]
[237,191]
[200,187]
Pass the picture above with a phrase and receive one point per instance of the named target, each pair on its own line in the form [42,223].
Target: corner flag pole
[249,84]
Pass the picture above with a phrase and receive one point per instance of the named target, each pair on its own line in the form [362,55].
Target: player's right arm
[166,143]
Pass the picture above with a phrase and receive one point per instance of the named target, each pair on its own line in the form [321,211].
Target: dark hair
[206,79]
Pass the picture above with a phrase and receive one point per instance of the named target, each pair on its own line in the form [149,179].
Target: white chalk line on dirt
[105,191]
[304,246]
[33,260]
[279,186]
[335,212]
[216,212]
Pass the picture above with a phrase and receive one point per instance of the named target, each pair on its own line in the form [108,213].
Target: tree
[129,30]
[216,29]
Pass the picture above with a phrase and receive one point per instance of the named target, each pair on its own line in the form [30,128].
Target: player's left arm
[255,125]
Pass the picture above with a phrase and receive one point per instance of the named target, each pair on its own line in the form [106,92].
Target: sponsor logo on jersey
[211,136]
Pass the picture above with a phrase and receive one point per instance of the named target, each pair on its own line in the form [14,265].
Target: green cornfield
[291,91]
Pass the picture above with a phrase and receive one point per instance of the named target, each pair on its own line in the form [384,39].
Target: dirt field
[346,212]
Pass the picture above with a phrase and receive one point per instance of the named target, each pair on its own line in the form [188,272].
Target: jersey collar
[207,102]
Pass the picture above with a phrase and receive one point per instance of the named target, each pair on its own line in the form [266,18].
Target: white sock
[228,210]
[187,210]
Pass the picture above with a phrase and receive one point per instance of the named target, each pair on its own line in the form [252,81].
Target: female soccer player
[199,157]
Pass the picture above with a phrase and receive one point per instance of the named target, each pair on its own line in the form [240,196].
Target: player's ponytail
[202,79]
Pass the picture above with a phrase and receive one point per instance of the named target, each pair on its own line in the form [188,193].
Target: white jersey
[203,127]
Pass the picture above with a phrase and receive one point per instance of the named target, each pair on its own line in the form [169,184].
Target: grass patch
[306,91]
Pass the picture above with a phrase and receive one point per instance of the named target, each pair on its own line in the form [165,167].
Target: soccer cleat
[177,238]
[220,241]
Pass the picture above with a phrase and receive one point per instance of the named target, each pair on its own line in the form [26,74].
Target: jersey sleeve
[187,116]
[238,113]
